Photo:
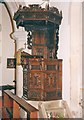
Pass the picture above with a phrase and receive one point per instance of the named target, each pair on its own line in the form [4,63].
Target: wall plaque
[11,62]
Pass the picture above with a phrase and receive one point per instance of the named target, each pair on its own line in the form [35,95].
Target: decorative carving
[25,82]
[43,68]
[37,7]
[35,67]
[29,40]
[50,94]
[35,80]
[39,51]
[51,67]
[50,81]
[25,15]
[24,62]
[34,95]
[57,41]
[43,76]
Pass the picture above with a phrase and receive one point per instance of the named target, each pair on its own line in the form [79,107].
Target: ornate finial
[47,6]
[20,7]
[61,13]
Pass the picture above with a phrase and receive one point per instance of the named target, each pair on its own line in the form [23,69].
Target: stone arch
[7,44]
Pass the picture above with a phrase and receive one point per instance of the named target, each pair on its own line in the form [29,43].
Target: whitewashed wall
[64,46]
[70,50]
[83,55]
[6,48]
[76,56]
[0,47]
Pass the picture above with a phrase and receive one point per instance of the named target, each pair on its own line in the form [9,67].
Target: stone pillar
[20,37]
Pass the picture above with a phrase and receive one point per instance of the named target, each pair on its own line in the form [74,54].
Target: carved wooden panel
[50,80]
[36,79]
[50,95]
[25,76]
[25,93]
[40,51]
[43,79]
[39,37]
[36,94]
[36,64]
[51,67]
[35,67]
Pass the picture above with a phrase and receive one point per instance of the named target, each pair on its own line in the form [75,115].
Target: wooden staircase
[11,107]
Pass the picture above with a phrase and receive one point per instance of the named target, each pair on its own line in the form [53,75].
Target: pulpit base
[54,109]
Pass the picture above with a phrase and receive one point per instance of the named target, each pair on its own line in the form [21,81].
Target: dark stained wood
[12,105]
[16,110]
[25,14]
[21,102]
[42,70]
[41,77]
